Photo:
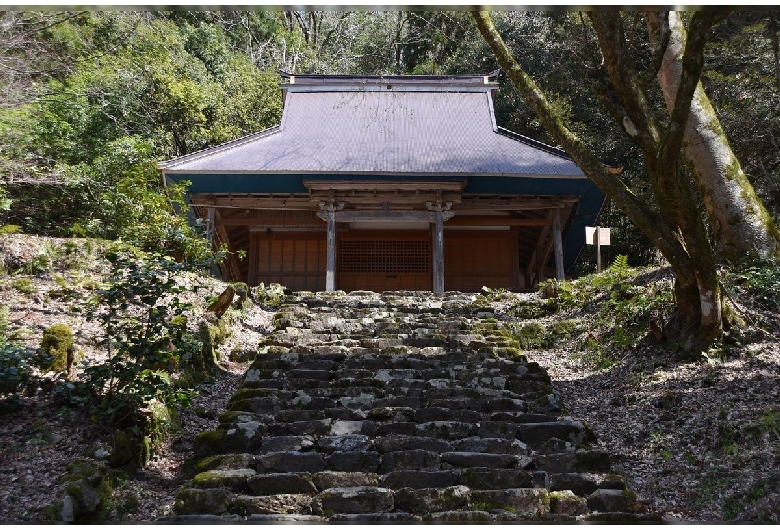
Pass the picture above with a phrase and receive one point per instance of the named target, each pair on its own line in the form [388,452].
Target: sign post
[597,236]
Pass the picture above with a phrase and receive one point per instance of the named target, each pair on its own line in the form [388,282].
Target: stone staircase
[397,407]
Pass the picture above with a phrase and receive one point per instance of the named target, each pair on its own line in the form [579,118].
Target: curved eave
[170,165]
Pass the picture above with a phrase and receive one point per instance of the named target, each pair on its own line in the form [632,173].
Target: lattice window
[384,256]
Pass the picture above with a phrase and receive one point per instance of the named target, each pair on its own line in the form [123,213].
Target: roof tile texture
[383,132]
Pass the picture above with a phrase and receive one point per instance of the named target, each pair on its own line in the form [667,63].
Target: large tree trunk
[677,232]
[739,222]
[697,288]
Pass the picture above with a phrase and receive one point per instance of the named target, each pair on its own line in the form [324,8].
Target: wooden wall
[386,261]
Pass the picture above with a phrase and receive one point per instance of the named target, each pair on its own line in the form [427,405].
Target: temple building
[386,183]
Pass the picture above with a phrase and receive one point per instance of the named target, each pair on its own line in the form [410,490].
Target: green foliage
[24,285]
[622,304]
[57,342]
[760,277]
[620,264]
[770,422]
[140,311]
[17,365]
[141,87]
[5,202]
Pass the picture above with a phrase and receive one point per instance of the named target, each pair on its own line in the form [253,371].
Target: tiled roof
[383,129]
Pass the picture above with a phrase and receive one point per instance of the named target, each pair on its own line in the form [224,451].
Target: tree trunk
[697,322]
[697,287]
[739,222]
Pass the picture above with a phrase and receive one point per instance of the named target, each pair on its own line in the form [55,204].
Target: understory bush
[145,340]
[624,305]
[17,364]
[760,277]
[148,346]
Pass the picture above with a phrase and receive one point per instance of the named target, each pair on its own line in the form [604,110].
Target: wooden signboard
[597,235]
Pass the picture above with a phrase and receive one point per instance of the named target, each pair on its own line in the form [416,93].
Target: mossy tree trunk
[673,224]
[739,222]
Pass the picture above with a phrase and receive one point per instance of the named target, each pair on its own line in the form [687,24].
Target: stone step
[436,503]
[397,407]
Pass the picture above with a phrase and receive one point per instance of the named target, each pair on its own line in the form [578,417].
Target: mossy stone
[57,341]
[231,479]
[88,490]
[567,503]
[191,501]
[209,443]
[229,461]
[208,353]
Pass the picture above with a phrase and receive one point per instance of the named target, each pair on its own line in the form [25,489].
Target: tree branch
[692,66]
[641,118]
[652,224]
[773,29]
[659,24]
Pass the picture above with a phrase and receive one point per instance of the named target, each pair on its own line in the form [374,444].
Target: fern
[620,264]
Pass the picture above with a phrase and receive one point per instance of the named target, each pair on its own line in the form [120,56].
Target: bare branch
[652,224]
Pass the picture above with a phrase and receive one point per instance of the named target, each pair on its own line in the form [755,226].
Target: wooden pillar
[438,253]
[558,245]
[210,224]
[328,214]
[442,213]
[330,264]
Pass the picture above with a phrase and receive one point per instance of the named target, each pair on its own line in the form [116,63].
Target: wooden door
[295,260]
[473,259]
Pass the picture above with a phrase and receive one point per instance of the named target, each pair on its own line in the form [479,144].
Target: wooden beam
[377,198]
[410,216]
[234,271]
[474,220]
[304,202]
[535,264]
[249,202]
[330,266]
[210,216]
[516,204]
[268,222]
[517,277]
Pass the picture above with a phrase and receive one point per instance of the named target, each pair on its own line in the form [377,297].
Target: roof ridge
[214,149]
[557,151]
[396,77]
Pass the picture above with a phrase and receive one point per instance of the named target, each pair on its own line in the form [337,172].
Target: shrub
[10,229]
[761,278]
[142,315]
[16,365]
[57,342]
[16,371]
